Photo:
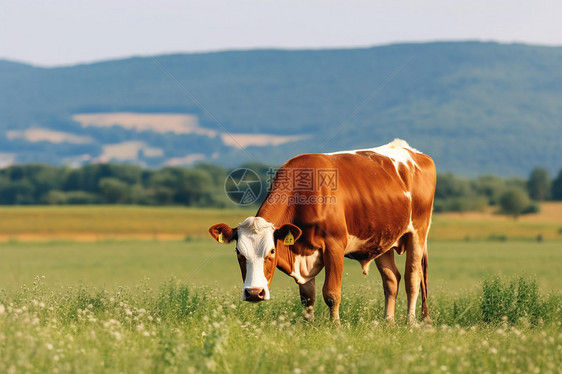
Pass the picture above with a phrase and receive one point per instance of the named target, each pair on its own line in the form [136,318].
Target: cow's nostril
[254,294]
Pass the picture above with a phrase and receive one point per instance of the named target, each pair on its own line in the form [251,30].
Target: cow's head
[256,244]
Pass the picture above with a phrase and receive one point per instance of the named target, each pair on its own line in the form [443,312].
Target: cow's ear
[223,233]
[288,233]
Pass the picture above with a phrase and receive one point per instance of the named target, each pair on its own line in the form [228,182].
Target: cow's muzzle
[254,294]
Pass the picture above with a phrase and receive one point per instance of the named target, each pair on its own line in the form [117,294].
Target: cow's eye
[273,251]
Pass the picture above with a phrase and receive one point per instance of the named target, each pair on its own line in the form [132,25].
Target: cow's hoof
[412,321]
[308,314]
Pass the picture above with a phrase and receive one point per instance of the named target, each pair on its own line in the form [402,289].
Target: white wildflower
[211,365]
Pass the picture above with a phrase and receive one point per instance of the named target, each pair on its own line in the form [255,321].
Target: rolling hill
[475,107]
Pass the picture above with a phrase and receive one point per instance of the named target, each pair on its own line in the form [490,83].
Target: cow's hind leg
[413,274]
[390,281]
[425,309]
[308,298]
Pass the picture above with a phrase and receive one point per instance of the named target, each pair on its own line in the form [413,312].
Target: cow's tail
[425,310]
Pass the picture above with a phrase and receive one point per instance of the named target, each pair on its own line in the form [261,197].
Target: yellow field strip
[87,237]
[102,223]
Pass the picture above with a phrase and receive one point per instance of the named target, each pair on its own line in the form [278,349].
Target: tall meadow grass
[508,325]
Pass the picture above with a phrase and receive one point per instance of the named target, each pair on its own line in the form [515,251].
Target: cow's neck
[278,214]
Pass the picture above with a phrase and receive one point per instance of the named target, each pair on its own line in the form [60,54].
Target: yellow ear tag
[221,239]
[289,239]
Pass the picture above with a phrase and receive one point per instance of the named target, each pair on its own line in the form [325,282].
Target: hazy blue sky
[59,32]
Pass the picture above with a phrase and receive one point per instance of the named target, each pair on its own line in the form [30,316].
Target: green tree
[514,201]
[449,186]
[456,194]
[538,185]
[491,187]
[54,197]
[19,192]
[81,198]
[140,195]
[113,190]
[557,187]
[193,188]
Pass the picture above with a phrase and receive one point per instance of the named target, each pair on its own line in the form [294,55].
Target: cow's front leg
[308,298]
[333,263]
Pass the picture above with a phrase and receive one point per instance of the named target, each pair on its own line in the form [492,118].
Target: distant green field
[119,301]
[453,266]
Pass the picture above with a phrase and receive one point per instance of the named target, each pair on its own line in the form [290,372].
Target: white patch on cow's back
[255,239]
[397,151]
[307,267]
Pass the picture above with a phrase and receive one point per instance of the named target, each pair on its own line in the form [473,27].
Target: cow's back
[375,198]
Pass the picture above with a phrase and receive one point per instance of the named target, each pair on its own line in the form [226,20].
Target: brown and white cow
[381,200]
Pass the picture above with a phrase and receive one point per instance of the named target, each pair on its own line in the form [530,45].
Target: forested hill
[475,107]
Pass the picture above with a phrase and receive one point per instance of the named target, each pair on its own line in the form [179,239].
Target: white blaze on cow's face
[255,247]
[256,251]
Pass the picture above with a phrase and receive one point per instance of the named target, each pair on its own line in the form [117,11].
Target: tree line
[512,196]
[203,186]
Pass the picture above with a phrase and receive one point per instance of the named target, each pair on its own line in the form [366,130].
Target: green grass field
[110,295]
